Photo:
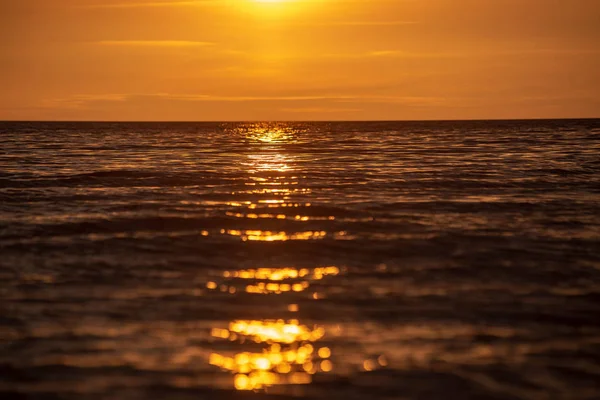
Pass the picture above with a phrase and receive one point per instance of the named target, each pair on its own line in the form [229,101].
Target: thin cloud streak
[190,3]
[154,43]
[84,100]
[358,23]
[320,110]
[198,3]
[194,3]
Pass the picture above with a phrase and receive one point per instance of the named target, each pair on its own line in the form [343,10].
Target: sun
[272,1]
[276,9]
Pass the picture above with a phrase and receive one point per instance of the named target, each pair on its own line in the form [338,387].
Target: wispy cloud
[200,3]
[387,54]
[192,3]
[85,100]
[147,4]
[82,100]
[154,43]
[374,54]
[357,23]
[320,110]
[244,98]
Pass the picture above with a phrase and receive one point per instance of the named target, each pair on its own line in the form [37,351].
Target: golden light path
[269,236]
[290,354]
[274,280]
[288,358]
[272,178]
[279,274]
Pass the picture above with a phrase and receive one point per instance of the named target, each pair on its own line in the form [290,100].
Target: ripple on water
[309,260]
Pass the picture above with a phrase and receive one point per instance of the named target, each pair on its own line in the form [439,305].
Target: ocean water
[388,260]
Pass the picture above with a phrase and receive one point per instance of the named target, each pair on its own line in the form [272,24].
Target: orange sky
[298,59]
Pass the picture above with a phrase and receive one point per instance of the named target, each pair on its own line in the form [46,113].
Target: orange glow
[382,360]
[287,358]
[276,280]
[280,274]
[369,365]
[267,134]
[326,366]
[272,331]
[324,352]
[298,60]
[211,285]
[303,218]
[268,236]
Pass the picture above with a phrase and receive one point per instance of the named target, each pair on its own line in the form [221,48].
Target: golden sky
[298,59]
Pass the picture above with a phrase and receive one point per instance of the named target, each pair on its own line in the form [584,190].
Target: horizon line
[302,120]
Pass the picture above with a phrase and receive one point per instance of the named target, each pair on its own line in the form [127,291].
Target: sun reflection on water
[272,189]
[273,331]
[279,274]
[289,355]
[264,353]
[270,236]
[270,134]
[268,160]
[274,280]
[290,352]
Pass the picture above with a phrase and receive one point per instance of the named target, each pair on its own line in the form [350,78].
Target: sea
[296,260]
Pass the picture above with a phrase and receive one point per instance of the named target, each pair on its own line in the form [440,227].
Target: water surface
[433,260]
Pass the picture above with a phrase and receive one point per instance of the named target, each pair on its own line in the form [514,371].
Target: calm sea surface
[433,260]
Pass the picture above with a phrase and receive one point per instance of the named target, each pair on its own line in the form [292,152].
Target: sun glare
[275,9]
[279,2]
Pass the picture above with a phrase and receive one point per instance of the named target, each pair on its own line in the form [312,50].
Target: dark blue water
[433,260]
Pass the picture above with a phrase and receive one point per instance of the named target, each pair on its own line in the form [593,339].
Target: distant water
[433,260]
